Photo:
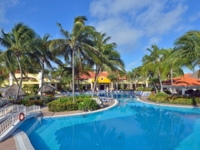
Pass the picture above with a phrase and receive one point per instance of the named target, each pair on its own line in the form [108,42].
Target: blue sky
[133,24]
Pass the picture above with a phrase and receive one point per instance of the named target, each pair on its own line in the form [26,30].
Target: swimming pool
[131,125]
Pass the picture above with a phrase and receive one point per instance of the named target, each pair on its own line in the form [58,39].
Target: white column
[10,79]
[91,86]
[131,85]
[40,79]
[111,86]
[146,84]
[183,91]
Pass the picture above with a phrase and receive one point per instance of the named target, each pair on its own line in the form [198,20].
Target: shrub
[35,100]
[65,103]
[197,99]
[174,99]
[88,104]
[181,100]
[159,97]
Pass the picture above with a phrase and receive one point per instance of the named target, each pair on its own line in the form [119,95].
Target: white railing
[33,108]
[10,109]
[14,117]
[8,123]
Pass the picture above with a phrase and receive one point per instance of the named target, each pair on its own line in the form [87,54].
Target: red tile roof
[185,80]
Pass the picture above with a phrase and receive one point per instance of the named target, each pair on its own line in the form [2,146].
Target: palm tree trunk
[159,78]
[42,72]
[20,83]
[155,87]
[171,76]
[73,75]
[98,70]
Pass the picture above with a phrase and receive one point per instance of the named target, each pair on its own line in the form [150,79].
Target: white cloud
[128,21]
[195,17]
[4,5]
[120,31]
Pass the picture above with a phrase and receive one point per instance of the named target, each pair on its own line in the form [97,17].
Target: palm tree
[152,63]
[78,40]
[188,46]
[43,56]
[135,74]
[63,74]
[130,77]
[82,66]
[113,78]
[172,64]
[17,43]
[109,59]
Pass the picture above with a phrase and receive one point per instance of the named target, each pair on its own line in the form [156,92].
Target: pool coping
[162,104]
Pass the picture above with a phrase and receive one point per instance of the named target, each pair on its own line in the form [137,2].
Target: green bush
[141,88]
[88,104]
[197,99]
[35,100]
[174,99]
[66,103]
[181,100]
[31,102]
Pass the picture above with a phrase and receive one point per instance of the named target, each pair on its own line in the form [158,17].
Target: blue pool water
[131,125]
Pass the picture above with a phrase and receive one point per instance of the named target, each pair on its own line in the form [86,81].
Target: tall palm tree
[17,43]
[78,40]
[43,56]
[153,63]
[109,59]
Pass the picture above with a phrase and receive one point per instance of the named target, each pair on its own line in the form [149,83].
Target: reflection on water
[130,125]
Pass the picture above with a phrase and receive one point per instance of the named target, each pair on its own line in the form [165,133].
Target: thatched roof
[12,91]
[48,88]
[195,75]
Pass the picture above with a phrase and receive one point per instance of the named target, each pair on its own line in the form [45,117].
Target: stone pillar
[10,79]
